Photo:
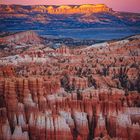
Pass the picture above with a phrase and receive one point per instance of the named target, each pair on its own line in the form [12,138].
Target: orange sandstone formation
[71,94]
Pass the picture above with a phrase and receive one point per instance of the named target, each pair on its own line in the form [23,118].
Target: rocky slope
[15,43]
[21,37]
[85,93]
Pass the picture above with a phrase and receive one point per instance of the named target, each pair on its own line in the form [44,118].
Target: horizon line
[56,4]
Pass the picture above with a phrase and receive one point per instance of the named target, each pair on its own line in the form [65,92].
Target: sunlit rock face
[87,8]
[85,93]
[63,9]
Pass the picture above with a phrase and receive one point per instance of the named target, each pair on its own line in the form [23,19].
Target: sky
[117,5]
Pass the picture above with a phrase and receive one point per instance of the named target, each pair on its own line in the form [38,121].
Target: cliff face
[79,9]
[71,94]
[63,9]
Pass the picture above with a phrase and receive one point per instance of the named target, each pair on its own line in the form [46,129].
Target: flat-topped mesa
[86,8]
[22,37]
[62,9]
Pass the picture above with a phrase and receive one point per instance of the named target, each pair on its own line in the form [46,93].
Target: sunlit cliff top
[55,9]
